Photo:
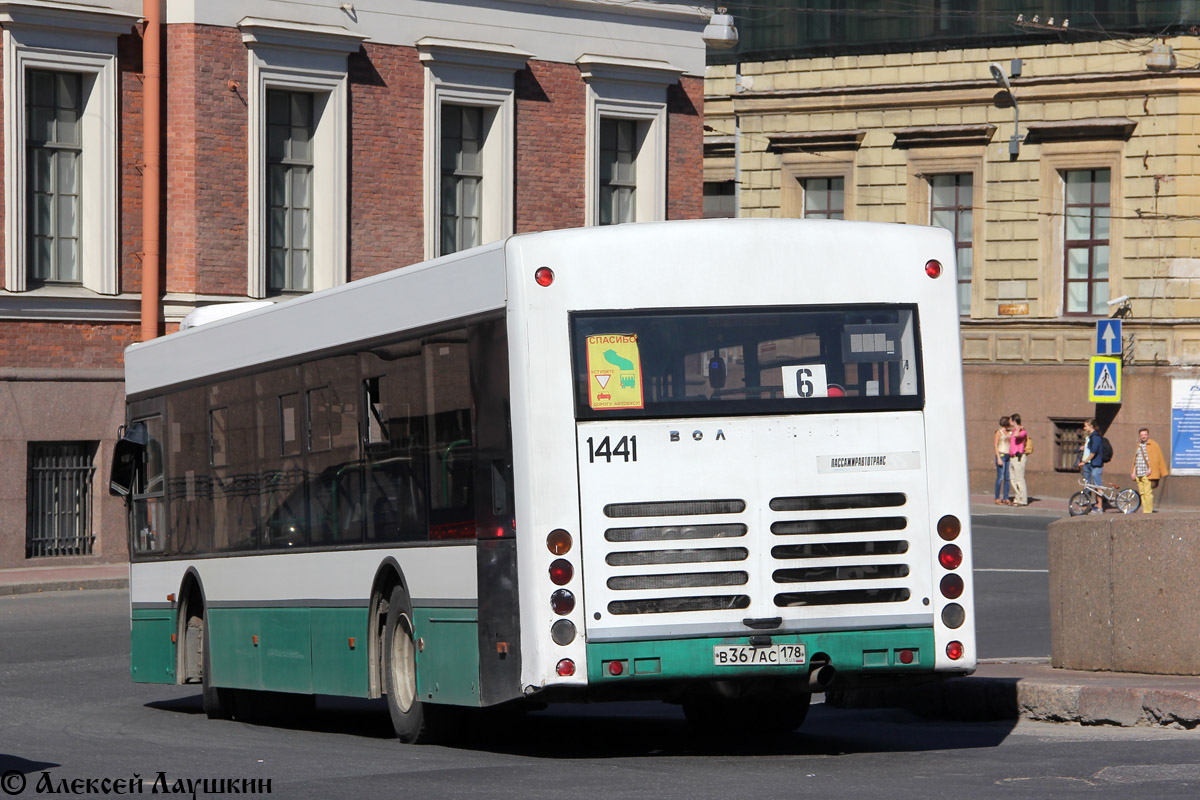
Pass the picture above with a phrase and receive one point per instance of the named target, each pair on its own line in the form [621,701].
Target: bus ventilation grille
[667,556]
[830,558]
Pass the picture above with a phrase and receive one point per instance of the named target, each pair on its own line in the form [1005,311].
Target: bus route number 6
[625,449]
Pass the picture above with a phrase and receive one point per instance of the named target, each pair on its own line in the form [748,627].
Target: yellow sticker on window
[614,371]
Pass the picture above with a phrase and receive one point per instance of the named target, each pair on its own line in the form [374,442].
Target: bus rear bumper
[845,657]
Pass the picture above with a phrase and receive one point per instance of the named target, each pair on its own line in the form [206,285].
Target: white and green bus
[720,463]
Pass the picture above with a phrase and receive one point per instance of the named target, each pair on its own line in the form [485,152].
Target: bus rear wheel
[217,702]
[400,671]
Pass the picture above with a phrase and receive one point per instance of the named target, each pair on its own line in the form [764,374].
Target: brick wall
[64,345]
[685,156]
[551,109]
[129,50]
[206,160]
[387,87]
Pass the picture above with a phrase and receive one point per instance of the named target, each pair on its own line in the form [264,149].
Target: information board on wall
[1185,426]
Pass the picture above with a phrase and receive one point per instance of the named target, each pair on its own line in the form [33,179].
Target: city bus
[717,463]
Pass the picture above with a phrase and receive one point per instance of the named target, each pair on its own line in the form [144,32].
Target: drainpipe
[151,136]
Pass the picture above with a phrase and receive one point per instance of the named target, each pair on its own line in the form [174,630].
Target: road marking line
[982,569]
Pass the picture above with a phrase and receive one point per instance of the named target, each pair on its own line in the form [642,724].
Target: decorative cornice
[67,17]
[630,70]
[815,141]
[1078,130]
[641,8]
[472,54]
[299,35]
[944,136]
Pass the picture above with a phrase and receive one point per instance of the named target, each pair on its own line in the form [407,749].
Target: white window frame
[84,42]
[301,57]
[475,74]
[636,89]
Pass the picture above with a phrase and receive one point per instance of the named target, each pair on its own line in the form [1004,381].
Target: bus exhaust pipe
[821,677]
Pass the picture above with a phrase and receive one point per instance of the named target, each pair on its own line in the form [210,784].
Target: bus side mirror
[126,456]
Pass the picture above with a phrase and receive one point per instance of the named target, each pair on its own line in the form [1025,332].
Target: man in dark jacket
[1091,458]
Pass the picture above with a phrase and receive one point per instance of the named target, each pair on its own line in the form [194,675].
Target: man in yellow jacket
[1148,467]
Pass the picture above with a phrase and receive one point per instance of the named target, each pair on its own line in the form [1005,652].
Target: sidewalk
[1034,690]
[28,580]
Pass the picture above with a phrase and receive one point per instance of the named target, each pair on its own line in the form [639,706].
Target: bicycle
[1126,500]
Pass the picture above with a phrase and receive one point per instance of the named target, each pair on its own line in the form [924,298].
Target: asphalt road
[1012,586]
[68,710]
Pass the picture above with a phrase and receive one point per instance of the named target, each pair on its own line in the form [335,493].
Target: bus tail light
[544,276]
[951,556]
[953,616]
[559,542]
[563,602]
[563,632]
[949,527]
[954,650]
[933,268]
[565,668]
[561,572]
[952,586]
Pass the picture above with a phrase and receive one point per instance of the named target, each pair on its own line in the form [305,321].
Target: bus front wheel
[400,670]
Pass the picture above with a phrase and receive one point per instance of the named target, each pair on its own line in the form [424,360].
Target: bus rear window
[754,361]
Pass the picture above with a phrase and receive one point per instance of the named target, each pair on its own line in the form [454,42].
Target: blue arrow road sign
[1108,337]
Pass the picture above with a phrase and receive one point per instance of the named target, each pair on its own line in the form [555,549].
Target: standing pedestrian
[1016,461]
[1091,458]
[1149,467]
[1003,455]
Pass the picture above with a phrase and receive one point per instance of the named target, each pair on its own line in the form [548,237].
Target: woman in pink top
[1016,460]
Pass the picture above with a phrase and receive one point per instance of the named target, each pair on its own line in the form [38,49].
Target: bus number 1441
[625,449]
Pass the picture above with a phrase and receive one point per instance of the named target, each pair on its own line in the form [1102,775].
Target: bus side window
[148,508]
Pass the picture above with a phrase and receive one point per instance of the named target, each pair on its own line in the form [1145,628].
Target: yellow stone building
[1096,217]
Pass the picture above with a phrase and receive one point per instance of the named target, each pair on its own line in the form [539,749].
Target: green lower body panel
[151,649]
[301,650]
[894,651]
[447,655]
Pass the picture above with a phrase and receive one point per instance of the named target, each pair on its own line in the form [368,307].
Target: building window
[469,151]
[462,177]
[60,173]
[720,200]
[626,147]
[298,180]
[54,148]
[950,208]
[289,191]
[59,499]
[1068,439]
[1086,240]
[824,198]
[619,144]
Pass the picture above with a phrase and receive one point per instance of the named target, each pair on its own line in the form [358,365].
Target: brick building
[302,145]
[890,112]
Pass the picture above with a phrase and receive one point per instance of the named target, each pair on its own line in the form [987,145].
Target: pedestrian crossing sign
[1104,380]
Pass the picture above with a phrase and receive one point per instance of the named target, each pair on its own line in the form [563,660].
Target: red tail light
[562,602]
[544,276]
[954,650]
[952,586]
[566,668]
[950,557]
[561,572]
[933,268]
